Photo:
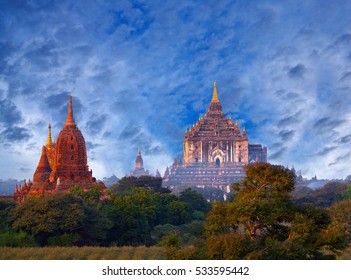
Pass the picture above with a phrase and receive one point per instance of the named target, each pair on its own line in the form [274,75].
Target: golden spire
[49,140]
[138,151]
[214,96]
[70,118]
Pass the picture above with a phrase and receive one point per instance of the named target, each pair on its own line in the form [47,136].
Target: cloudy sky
[141,72]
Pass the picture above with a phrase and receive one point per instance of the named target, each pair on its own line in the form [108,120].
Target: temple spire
[214,96]
[70,118]
[138,151]
[49,140]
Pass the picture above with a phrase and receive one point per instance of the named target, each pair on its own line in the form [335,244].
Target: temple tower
[70,163]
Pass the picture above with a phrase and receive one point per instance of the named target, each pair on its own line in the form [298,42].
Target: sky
[141,72]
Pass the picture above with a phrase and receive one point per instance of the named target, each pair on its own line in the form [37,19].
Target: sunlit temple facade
[215,150]
[62,165]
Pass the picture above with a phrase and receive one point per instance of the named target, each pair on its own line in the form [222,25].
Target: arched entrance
[218,163]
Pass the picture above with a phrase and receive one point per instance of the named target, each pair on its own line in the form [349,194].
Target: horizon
[141,73]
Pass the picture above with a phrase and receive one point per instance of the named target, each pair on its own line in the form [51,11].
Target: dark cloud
[286,135]
[276,145]
[326,150]
[277,154]
[345,77]
[344,39]
[297,71]
[290,120]
[9,114]
[24,169]
[96,123]
[344,139]
[341,159]
[15,134]
[327,123]
[44,57]
[131,131]
[57,104]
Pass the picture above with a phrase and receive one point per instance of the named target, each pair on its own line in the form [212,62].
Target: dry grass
[83,253]
[346,254]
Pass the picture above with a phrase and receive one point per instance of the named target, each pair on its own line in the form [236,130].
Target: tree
[262,223]
[194,201]
[147,182]
[58,214]
[5,218]
[262,204]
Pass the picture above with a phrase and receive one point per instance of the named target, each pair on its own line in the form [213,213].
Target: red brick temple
[62,165]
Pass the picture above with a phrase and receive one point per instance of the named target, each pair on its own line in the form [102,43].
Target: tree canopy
[263,219]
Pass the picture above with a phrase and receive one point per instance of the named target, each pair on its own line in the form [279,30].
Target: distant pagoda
[215,152]
[139,167]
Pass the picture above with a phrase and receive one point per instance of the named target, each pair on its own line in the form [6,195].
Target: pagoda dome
[71,156]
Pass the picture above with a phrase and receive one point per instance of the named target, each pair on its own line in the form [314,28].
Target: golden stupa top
[49,140]
[214,96]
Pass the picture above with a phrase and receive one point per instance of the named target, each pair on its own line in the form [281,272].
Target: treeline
[129,217]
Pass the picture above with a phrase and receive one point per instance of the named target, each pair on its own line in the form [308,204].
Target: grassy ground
[83,253]
[346,255]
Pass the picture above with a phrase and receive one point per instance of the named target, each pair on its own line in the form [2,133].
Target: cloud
[344,159]
[286,135]
[326,150]
[297,71]
[96,124]
[327,123]
[278,154]
[15,134]
[9,114]
[344,139]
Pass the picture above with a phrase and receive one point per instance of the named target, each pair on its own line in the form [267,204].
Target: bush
[17,239]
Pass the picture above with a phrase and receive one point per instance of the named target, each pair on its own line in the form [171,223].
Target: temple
[139,167]
[215,150]
[62,165]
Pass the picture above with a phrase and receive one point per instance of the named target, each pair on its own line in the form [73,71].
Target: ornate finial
[138,150]
[215,96]
[49,140]
[70,118]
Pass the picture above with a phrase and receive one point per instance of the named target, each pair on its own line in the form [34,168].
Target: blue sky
[141,72]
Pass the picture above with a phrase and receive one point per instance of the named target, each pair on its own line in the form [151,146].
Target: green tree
[262,223]
[194,201]
[262,203]
[54,215]
[6,206]
[148,182]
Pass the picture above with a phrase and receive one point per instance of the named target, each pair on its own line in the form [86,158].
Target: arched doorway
[218,162]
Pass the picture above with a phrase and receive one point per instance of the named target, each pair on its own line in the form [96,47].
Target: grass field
[83,253]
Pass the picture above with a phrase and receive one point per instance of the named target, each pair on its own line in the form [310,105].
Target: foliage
[5,218]
[326,196]
[91,197]
[194,201]
[148,182]
[17,239]
[340,214]
[347,192]
[262,203]
[135,215]
[262,223]
[57,214]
